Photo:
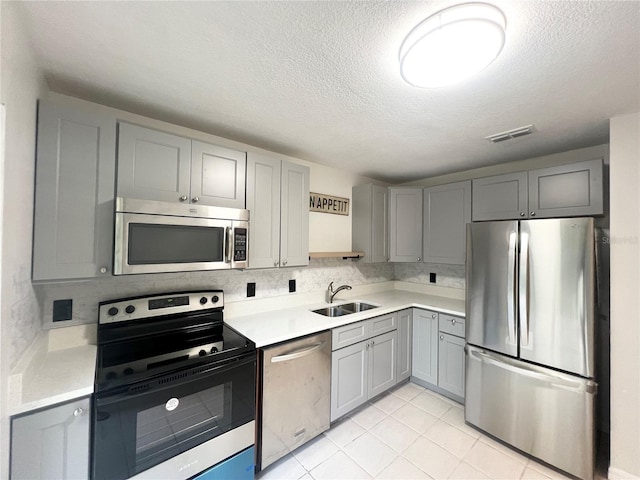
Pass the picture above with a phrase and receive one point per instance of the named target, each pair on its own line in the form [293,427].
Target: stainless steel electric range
[175,390]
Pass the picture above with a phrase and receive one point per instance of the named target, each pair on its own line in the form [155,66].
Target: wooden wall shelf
[343,255]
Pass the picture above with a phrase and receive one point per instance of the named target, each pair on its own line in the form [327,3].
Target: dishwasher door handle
[302,352]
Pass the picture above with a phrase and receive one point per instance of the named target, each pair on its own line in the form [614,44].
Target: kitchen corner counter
[47,377]
[268,328]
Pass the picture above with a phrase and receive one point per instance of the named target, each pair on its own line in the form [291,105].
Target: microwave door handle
[228,237]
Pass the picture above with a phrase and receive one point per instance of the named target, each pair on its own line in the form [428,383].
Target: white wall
[22,84]
[625,296]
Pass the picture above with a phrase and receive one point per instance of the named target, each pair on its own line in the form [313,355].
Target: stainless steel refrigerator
[530,350]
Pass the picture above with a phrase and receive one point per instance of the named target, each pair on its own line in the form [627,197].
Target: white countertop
[267,328]
[47,377]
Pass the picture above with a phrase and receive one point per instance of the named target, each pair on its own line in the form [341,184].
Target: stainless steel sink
[344,309]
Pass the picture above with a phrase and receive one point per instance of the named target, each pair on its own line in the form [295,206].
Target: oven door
[162,243]
[147,423]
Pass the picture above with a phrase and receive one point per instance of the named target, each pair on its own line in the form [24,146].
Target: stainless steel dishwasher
[295,395]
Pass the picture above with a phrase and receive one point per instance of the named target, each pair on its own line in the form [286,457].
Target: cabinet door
[294,215]
[263,203]
[451,364]
[217,175]
[424,362]
[379,224]
[405,325]
[383,354]
[74,193]
[349,379]
[153,165]
[405,224]
[566,190]
[52,443]
[500,197]
[447,210]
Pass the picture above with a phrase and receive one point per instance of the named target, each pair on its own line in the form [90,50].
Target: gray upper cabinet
[500,197]
[370,228]
[569,190]
[405,224]
[74,193]
[277,198]
[154,165]
[447,210]
[52,443]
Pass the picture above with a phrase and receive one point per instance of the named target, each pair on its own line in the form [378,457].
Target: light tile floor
[408,433]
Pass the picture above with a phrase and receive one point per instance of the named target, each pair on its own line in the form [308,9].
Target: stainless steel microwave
[160,237]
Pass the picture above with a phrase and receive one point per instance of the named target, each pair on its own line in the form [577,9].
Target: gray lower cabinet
[405,325]
[154,165]
[370,227]
[362,371]
[451,364]
[74,193]
[52,443]
[447,210]
[405,224]
[277,199]
[569,190]
[424,365]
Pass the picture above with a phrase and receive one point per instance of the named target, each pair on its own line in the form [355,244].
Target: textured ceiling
[320,81]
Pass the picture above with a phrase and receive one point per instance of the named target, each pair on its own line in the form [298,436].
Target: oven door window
[157,244]
[135,431]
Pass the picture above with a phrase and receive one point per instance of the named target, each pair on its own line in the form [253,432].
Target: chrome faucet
[332,293]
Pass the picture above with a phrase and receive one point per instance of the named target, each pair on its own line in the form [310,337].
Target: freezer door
[544,413]
[491,285]
[556,293]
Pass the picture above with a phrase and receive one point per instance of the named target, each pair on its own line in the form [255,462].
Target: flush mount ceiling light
[452,45]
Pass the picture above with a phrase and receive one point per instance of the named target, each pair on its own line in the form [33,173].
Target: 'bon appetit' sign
[328,204]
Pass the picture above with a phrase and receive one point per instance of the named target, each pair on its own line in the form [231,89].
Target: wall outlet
[292,286]
[251,289]
[62,310]
[432,277]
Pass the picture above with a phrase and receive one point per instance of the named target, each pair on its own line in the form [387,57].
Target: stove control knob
[113,311]
[203,300]
[202,353]
[130,309]
[214,349]
[215,299]
[128,371]
[111,375]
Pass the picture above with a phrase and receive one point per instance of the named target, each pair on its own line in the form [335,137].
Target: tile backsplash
[269,283]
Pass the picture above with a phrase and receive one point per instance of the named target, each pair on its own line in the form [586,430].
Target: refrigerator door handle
[523,287]
[511,286]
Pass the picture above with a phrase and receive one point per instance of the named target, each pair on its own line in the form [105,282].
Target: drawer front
[348,335]
[452,325]
[383,324]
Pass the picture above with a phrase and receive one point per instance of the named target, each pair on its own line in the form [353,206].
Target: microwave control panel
[240,245]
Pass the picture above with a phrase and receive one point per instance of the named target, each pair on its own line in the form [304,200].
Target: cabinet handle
[183,198]
[418,259]
[522,214]
[433,315]
[284,262]
[367,345]
[77,412]
[441,337]
[453,321]
[533,214]
[195,199]
[275,264]
[104,270]
[372,343]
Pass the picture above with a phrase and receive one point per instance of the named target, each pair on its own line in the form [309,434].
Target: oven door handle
[301,352]
[140,390]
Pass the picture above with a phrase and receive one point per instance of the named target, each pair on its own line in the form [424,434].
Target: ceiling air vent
[510,134]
